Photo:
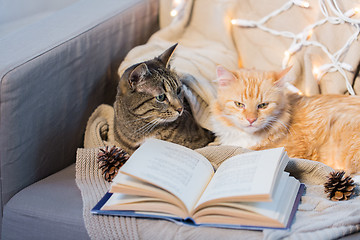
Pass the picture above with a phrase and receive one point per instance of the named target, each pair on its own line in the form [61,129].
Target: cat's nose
[179,110]
[251,120]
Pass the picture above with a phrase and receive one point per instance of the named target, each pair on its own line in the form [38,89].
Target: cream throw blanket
[317,217]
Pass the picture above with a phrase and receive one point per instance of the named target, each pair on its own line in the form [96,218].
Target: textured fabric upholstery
[16,14]
[53,73]
[47,209]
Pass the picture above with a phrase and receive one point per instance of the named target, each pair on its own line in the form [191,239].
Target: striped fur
[323,128]
[140,115]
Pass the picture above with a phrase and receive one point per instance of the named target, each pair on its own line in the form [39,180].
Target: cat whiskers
[139,119]
[285,126]
[273,121]
[148,127]
[186,113]
[154,125]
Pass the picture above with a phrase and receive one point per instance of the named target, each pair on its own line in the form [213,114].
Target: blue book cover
[190,221]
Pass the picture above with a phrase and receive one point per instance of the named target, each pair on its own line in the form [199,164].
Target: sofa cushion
[15,14]
[54,204]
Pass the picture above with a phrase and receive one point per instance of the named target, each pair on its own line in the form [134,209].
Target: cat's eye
[239,104]
[263,105]
[160,97]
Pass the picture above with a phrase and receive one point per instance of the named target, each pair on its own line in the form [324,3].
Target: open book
[168,181]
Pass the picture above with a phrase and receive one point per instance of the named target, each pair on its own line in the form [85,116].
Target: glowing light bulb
[288,53]
[300,3]
[305,4]
[173,12]
[286,59]
[292,88]
[316,72]
[310,33]
[177,5]
[352,12]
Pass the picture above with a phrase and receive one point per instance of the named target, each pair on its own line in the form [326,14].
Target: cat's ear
[281,76]
[165,57]
[137,75]
[224,76]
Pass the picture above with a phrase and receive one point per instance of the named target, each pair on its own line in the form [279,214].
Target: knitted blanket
[316,218]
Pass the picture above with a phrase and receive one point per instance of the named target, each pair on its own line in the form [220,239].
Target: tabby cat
[254,110]
[150,102]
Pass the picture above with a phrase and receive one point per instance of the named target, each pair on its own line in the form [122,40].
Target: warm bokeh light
[173,12]
[310,33]
[177,2]
[305,4]
[316,72]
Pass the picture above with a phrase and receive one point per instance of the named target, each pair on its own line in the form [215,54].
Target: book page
[177,169]
[119,199]
[245,175]
[283,192]
[277,211]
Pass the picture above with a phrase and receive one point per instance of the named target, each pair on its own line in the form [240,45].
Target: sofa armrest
[53,74]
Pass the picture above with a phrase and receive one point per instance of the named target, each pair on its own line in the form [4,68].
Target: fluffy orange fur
[254,110]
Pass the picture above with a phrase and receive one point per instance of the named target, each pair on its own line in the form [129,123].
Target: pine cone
[110,161]
[338,186]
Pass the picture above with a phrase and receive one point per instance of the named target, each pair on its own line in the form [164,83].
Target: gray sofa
[58,62]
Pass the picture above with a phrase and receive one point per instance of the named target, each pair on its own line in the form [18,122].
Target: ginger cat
[254,110]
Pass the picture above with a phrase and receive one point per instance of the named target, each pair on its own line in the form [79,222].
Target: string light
[304,37]
[309,34]
[177,6]
[300,3]
[352,12]
[243,23]
[316,72]
[292,88]
[286,58]
[173,13]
